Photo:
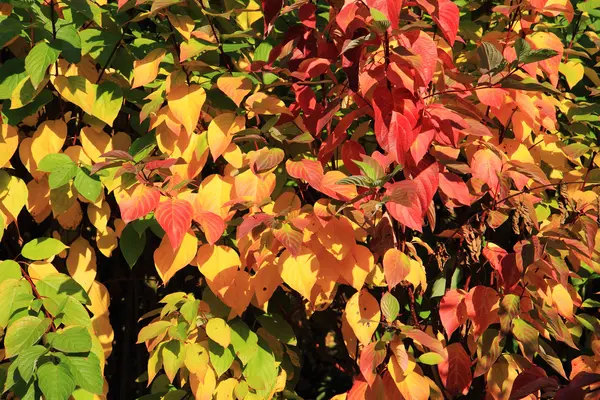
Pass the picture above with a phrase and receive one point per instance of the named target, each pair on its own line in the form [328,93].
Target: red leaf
[455,372]
[118,154]
[271,9]
[358,390]
[389,8]
[137,202]
[445,14]
[308,15]
[405,207]
[401,136]
[480,303]
[455,188]
[156,164]
[250,222]
[424,48]
[453,311]
[212,225]
[307,170]
[352,151]
[175,217]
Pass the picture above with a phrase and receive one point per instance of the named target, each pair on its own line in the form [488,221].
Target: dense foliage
[369,199]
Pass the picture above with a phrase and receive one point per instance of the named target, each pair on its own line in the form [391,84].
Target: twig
[38,296]
[112,53]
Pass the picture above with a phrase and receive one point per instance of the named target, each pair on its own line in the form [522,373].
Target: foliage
[402,193]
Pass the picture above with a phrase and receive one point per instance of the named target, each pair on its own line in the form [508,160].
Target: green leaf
[173,355]
[109,98]
[430,358]
[233,47]
[87,186]
[529,84]
[23,334]
[38,60]
[548,355]
[390,306]
[538,55]
[9,269]
[62,175]
[357,180]
[55,381]
[68,40]
[132,245]
[261,371]
[27,361]
[278,327]
[221,358]
[75,339]
[9,29]
[243,340]
[86,371]
[589,303]
[527,335]
[12,72]
[16,116]
[522,48]
[55,284]
[491,58]
[11,290]
[42,248]
[54,161]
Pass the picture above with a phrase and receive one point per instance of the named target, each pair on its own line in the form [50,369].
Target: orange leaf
[235,87]
[168,260]
[396,266]
[146,69]
[212,225]
[137,201]
[486,165]
[453,311]
[175,217]
[221,131]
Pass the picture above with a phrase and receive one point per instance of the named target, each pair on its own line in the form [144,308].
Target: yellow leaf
[362,312]
[413,385]
[266,104]
[573,72]
[38,199]
[95,143]
[218,330]
[563,301]
[204,389]
[234,156]
[225,388]
[245,19]
[416,276]
[81,262]
[357,266]
[300,272]
[106,241]
[99,216]
[235,87]
[185,102]
[104,332]
[183,24]
[219,265]
[48,139]
[9,141]
[146,69]
[221,131]
[27,158]
[214,192]
[169,261]
[196,358]
[14,199]
[100,299]
[40,269]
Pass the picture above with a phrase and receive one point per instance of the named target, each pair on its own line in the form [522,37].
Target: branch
[38,296]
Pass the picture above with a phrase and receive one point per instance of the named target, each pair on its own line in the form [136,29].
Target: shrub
[369,199]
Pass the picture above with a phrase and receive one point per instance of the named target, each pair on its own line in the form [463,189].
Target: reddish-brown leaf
[455,372]
[212,225]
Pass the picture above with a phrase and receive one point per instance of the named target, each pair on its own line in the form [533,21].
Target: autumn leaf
[455,372]
[175,217]
[396,266]
[137,201]
[185,102]
[363,314]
